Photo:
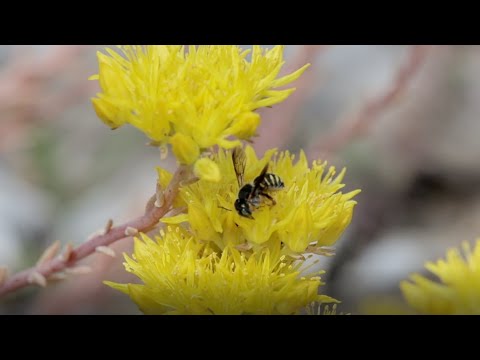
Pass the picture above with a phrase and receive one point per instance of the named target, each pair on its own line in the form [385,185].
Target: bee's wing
[259,179]
[239,161]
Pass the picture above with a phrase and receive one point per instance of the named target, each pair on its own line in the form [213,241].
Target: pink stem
[362,120]
[142,223]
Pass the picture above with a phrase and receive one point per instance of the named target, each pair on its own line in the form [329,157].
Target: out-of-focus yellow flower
[207,94]
[181,275]
[310,211]
[458,291]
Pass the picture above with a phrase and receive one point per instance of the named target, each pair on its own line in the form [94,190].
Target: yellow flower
[181,275]
[207,93]
[185,149]
[458,291]
[310,211]
[207,169]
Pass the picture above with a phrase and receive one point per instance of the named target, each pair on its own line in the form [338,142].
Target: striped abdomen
[272,182]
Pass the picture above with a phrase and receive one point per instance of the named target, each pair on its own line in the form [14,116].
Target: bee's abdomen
[273,182]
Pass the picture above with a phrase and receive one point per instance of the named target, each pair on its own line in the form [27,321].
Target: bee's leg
[255,201]
[268,197]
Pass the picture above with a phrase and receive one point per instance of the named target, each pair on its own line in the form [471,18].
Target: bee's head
[243,209]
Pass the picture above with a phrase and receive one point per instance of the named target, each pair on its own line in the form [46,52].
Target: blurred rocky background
[402,119]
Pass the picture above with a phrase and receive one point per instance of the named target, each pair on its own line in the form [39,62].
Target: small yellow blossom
[206,169]
[457,292]
[181,275]
[310,211]
[245,126]
[185,149]
[207,93]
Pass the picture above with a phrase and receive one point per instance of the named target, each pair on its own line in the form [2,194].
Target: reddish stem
[363,119]
[142,223]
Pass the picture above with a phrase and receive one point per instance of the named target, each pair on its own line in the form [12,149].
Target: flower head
[457,292]
[191,99]
[182,275]
[309,212]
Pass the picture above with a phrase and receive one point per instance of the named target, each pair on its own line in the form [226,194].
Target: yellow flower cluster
[183,276]
[211,260]
[310,212]
[190,97]
[458,291]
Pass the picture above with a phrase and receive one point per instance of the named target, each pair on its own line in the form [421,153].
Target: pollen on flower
[192,99]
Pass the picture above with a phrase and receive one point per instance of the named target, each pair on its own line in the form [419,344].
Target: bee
[250,194]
